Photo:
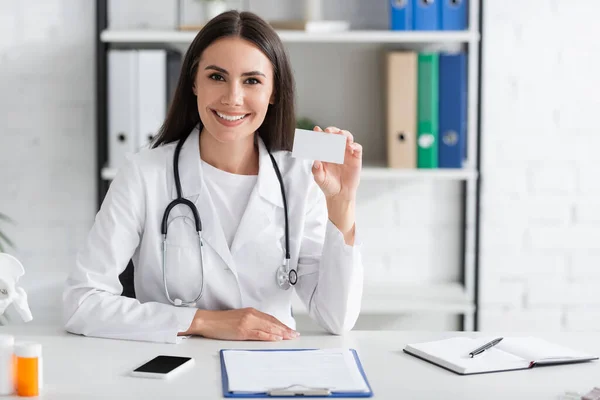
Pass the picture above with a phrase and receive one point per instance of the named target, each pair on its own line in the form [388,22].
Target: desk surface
[77,367]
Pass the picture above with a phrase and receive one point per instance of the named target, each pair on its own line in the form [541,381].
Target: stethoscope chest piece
[286,277]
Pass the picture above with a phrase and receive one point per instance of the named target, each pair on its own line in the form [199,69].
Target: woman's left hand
[339,182]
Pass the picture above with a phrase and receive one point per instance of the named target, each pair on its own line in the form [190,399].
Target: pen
[486,346]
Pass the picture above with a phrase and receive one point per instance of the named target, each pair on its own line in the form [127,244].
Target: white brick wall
[541,194]
[47,142]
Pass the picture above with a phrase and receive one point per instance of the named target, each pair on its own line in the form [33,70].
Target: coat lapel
[194,189]
[264,202]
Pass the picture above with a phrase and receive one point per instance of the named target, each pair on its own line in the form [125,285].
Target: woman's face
[233,87]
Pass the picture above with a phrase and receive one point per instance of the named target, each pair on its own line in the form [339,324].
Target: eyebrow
[223,71]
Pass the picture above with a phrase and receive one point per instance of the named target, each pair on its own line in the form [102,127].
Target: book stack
[426,107]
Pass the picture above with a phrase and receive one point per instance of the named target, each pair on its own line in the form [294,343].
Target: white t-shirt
[229,193]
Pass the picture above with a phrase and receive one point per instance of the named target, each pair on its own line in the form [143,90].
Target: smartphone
[163,367]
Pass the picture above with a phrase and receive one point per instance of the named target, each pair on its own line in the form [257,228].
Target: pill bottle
[7,365]
[28,368]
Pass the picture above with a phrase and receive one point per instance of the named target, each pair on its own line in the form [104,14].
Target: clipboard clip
[299,390]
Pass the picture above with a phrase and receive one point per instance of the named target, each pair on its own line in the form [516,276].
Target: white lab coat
[127,226]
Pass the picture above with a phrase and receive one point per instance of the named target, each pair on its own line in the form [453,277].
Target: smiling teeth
[230,118]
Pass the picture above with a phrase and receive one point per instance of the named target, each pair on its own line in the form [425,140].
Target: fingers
[319,173]
[263,336]
[276,329]
[349,137]
[285,329]
[333,129]
[355,150]
[256,325]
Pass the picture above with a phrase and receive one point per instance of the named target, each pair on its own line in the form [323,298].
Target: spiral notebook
[512,353]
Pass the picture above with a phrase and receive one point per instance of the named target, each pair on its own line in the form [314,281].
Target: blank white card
[321,146]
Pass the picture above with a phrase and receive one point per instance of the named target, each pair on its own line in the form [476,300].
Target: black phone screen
[162,364]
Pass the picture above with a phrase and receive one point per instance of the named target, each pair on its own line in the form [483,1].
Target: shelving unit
[438,298]
[460,298]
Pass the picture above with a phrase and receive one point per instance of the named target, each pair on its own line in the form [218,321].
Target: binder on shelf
[401,108]
[427,110]
[401,15]
[152,89]
[452,110]
[122,104]
[426,15]
[454,15]
[157,77]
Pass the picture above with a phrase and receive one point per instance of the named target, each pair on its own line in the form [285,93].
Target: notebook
[512,353]
[284,372]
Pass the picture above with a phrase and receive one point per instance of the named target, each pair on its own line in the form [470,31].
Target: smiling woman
[248,224]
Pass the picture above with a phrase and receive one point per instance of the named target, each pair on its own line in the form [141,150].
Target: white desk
[78,367]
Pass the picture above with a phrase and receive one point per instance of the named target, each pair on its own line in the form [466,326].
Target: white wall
[540,250]
[541,192]
[47,144]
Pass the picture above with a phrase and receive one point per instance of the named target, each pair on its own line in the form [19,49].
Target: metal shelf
[382,173]
[356,36]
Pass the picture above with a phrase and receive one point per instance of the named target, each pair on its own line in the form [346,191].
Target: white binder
[122,103]
[152,94]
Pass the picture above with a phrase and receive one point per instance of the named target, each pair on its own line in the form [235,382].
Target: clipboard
[293,391]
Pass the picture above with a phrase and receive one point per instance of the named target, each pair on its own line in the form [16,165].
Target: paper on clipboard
[262,371]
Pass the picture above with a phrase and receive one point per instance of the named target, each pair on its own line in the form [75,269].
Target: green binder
[427,110]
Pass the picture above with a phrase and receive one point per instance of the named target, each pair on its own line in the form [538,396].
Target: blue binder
[426,15]
[452,110]
[454,15]
[227,393]
[401,16]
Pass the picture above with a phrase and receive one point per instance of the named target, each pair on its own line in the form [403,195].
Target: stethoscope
[284,276]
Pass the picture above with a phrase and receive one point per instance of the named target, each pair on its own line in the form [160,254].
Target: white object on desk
[11,270]
[7,385]
[511,353]
[262,371]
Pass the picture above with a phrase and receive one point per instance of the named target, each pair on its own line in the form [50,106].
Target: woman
[232,111]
